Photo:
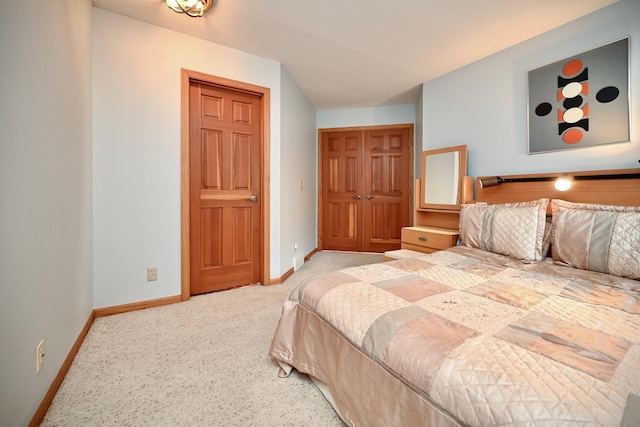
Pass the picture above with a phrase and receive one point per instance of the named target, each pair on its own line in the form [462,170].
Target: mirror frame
[462,171]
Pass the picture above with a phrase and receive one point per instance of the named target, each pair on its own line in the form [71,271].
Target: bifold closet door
[386,206]
[342,191]
[365,188]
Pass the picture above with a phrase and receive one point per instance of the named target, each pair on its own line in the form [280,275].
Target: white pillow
[512,229]
[594,237]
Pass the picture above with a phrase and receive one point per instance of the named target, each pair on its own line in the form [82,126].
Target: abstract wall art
[580,101]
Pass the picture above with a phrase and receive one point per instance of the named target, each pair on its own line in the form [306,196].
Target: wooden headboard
[607,191]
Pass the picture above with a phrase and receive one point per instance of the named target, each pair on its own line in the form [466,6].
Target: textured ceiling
[356,53]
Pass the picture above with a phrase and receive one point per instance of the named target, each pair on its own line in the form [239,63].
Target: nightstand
[428,239]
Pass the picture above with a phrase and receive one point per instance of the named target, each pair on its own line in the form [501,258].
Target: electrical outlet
[301,185]
[152,274]
[39,355]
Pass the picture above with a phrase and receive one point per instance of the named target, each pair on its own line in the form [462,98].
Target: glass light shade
[563,183]
[190,7]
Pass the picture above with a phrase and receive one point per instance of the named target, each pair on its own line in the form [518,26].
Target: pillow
[512,229]
[597,237]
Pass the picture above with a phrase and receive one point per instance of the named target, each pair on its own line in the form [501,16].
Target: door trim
[186,77]
[322,131]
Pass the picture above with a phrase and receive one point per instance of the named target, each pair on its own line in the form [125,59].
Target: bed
[491,332]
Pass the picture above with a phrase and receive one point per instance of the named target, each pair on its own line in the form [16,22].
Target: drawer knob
[423,239]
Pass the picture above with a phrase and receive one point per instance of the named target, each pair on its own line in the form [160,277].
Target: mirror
[443,172]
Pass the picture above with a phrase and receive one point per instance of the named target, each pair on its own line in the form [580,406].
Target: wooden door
[367,176]
[387,206]
[224,183]
[342,191]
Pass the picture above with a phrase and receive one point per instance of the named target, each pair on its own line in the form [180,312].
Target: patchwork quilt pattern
[493,342]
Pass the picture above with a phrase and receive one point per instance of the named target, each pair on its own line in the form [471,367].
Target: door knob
[252,199]
[369,197]
[357,197]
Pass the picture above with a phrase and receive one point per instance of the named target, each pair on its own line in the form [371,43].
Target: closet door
[366,181]
[386,188]
[342,190]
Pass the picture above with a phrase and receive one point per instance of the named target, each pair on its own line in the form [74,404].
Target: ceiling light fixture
[194,8]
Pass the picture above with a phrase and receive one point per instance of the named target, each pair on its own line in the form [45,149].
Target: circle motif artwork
[589,108]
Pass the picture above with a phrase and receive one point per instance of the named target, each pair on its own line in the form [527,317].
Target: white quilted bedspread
[493,342]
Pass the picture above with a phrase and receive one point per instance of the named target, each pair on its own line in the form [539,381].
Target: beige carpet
[199,363]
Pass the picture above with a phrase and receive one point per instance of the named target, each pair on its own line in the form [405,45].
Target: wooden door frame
[322,131]
[188,76]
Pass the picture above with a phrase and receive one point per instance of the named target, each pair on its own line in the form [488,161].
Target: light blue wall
[45,213]
[484,106]
[298,207]
[136,144]
[369,116]
[417,156]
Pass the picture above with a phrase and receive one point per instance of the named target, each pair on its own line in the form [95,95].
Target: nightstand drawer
[429,238]
[417,248]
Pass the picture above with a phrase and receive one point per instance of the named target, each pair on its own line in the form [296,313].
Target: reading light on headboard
[490,182]
[494,181]
[562,182]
